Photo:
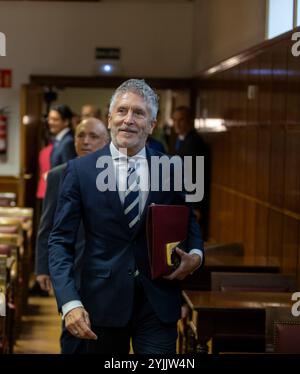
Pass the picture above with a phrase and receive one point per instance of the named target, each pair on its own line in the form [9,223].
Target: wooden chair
[282,331]
[3,336]
[248,282]
[265,282]
[11,247]
[8,199]
[25,215]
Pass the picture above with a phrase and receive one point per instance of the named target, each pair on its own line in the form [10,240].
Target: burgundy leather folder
[165,224]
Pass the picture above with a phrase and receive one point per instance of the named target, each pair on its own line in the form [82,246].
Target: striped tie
[131,202]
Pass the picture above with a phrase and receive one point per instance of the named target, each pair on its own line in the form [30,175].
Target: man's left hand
[188,264]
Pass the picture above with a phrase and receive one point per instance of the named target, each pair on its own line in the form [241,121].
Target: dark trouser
[149,335]
[70,344]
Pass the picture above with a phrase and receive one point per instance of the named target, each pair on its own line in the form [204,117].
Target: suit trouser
[149,335]
[70,344]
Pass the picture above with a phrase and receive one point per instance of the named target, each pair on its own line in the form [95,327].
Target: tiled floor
[41,327]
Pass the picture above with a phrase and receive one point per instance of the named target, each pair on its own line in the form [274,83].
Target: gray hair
[140,87]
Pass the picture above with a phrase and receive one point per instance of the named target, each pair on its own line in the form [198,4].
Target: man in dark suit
[190,143]
[59,121]
[91,134]
[117,298]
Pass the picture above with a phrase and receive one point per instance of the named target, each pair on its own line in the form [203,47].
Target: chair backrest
[8,199]
[3,274]
[229,249]
[282,331]
[255,282]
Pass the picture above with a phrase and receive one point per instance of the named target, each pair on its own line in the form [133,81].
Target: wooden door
[30,132]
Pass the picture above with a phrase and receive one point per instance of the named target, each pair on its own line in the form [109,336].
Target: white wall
[60,39]
[224,28]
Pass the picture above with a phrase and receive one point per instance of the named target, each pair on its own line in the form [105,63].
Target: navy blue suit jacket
[63,151]
[112,250]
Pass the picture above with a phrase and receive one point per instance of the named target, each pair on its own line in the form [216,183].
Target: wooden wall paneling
[223,217]
[214,213]
[251,160]
[265,87]
[235,97]
[222,97]
[238,89]
[298,262]
[240,162]
[232,155]
[263,162]
[252,91]
[218,105]
[230,218]
[227,98]
[261,231]
[221,156]
[293,91]
[243,93]
[225,161]
[290,245]
[275,235]
[292,169]
[277,165]
[279,80]
[239,219]
[215,154]
[250,227]
[209,103]
[248,169]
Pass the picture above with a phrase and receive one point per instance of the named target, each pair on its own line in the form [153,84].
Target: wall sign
[108,53]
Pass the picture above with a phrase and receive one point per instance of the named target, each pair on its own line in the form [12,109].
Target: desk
[201,280]
[232,313]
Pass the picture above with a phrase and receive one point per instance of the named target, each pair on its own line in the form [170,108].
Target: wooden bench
[254,282]
[25,216]
[8,199]
[282,331]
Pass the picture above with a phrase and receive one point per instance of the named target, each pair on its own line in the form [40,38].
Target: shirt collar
[62,133]
[117,155]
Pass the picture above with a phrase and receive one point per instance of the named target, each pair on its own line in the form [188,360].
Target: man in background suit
[89,110]
[60,124]
[190,143]
[117,298]
[91,134]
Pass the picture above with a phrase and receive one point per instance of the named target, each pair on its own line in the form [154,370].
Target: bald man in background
[90,135]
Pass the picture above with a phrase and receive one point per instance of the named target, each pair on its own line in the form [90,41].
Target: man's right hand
[78,324]
[44,282]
